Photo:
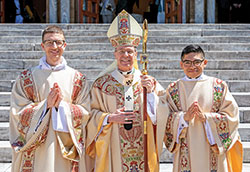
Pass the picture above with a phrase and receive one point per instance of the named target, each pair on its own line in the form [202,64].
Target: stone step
[5,98]
[6,152]
[228,33]
[151,39]
[244,114]
[151,46]
[240,86]
[4,113]
[108,54]
[6,167]
[162,74]
[6,85]
[92,27]
[4,131]
[194,39]
[244,130]
[242,99]
[168,32]
[153,64]
[166,157]
[169,26]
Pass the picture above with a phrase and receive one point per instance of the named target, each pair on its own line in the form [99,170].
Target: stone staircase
[227,48]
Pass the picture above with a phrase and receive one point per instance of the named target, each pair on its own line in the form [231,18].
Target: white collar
[45,66]
[127,72]
[121,79]
[201,77]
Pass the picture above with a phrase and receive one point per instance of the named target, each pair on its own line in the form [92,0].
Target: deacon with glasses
[202,127]
[49,110]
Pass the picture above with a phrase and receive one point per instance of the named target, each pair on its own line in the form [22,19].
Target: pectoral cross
[128,98]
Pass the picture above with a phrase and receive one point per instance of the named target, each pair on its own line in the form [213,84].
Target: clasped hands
[55,96]
[194,111]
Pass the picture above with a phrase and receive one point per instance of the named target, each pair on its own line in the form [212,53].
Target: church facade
[156,11]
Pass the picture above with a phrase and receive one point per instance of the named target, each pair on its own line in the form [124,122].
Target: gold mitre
[124,31]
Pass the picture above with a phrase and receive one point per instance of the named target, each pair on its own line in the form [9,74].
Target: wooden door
[2,12]
[173,11]
[89,11]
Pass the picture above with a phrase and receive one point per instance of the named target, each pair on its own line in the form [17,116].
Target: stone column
[184,11]
[65,11]
[199,11]
[47,11]
[191,11]
[53,11]
[210,11]
[72,11]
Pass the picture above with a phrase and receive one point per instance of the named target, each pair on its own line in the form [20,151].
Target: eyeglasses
[129,52]
[189,63]
[50,43]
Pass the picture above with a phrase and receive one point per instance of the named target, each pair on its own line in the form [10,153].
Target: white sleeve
[209,133]
[104,123]
[151,107]
[41,116]
[59,120]
[181,126]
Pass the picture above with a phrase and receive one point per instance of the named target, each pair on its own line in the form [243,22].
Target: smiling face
[125,57]
[193,64]
[53,47]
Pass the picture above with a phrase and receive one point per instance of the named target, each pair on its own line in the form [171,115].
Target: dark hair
[52,29]
[192,49]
